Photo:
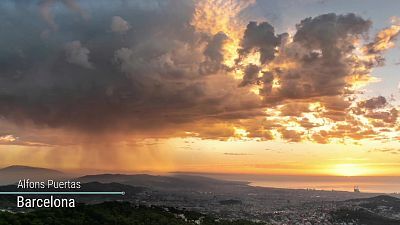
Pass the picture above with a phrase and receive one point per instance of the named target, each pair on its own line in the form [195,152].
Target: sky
[300,87]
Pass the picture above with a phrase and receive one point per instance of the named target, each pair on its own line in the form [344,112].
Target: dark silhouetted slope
[13,174]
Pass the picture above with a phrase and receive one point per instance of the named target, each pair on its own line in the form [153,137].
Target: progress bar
[63,193]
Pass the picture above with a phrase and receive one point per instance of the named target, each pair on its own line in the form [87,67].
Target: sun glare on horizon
[350,170]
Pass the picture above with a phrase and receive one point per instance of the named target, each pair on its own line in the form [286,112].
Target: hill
[376,210]
[362,216]
[13,174]
[24,169]
[160,182]
[382,205]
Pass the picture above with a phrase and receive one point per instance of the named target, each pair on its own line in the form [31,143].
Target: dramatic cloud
[161,77]
[261,38]
[214,54]
[315,73]
[319,62]
[250,75]
[185,69]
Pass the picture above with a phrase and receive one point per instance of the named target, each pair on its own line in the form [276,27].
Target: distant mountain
[24,169]
[13,174]
[162,182]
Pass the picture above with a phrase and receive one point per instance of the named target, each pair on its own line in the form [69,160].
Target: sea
[371,184]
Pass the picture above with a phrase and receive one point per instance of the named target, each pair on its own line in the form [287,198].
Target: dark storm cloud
[318,56]
[130,65]
[260,37]
[330,33]
[141,67]
[320,65]
[250,75]
[214,55]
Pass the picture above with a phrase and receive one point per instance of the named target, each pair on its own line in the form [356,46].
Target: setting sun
[349,170]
